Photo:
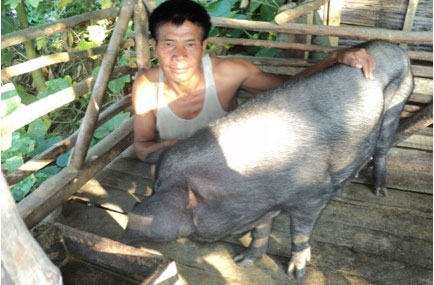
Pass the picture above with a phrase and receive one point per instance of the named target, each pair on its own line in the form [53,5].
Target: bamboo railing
[85,163]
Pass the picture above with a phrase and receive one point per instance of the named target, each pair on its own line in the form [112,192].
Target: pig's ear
[155,157]
[192,200]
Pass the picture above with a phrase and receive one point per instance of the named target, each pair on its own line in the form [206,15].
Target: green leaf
[11,164]
[41,42]
[57,84]
[50,170]
[37,130]
[12,3]
[9,100]
[21,145]
[220,8]
[83,44]
[44,144]
[8,26]
[106,4]
[20,190]
[266,52]
[7,56]
[110,125]
[118,84]
[62,160]
[33,3]
[26,98]
[63,3]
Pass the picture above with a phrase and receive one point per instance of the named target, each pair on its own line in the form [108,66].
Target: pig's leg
[385,140]
[258,245]
[396,93]
[303,219]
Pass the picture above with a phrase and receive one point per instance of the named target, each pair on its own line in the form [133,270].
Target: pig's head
[165,216]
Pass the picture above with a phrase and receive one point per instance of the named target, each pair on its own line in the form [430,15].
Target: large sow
[291,149]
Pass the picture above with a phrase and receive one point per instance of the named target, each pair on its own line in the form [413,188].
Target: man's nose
[180,51]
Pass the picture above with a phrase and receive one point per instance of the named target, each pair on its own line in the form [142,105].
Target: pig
[287,150]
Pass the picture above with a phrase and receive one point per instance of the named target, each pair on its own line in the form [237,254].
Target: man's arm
[256,80]
[144,104]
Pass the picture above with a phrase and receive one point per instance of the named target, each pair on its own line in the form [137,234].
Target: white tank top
[170,126]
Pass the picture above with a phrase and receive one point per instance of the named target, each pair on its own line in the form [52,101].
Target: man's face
[179,50]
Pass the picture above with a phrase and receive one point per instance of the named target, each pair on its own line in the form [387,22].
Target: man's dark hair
[177,12]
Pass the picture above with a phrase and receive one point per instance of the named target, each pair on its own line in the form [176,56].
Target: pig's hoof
[380,190]
[244,260]
[297,263]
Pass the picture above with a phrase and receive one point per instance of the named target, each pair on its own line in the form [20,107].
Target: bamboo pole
[283,45]
[23,260]
[49,29]
[29,113]
[362,33]
[88,124]
[301,9]
[49,155]
[57,189]
[47,60]
[420,120]
[142,40]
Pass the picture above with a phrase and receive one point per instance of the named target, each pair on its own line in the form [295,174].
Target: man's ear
[204,44]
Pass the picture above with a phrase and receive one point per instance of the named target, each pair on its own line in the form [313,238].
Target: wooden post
[304,8]
[334,18]
[88,125]
[143,53]
[420,120]
[409,17]
[22,259]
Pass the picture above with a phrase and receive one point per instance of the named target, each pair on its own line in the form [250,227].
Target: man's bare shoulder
[145,91]
[231,65]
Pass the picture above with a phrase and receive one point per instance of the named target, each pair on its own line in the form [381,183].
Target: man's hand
[358,58]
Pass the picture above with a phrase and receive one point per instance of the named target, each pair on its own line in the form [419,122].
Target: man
[190,89]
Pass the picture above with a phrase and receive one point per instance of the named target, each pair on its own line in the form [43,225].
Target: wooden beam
[55,190]
[301,9]
[49,155]
[88,124]
[142,40]
[361,33]
[49,29]
[23,260]
[29,113]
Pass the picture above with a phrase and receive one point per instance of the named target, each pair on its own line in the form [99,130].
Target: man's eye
[191,44]
[168,44]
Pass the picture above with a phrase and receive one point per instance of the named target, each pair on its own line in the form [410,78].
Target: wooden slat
[49,29]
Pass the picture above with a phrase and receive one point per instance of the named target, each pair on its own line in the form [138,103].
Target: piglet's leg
[259,243]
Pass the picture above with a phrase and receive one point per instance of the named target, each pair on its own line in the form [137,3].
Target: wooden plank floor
[359,238]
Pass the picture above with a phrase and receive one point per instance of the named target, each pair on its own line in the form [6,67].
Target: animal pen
[359,238]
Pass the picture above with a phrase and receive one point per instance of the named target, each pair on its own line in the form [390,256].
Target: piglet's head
[163,217]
